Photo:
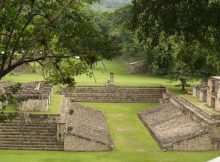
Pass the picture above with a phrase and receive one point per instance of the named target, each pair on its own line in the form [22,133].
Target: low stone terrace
[37,96]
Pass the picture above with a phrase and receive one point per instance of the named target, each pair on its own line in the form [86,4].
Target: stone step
[27,135]
[35,143]
[16,134]
[118,90]
[27,127]
[23,138]
[15,123]
[8,130]
[33,147]
[30,125]
[125,99]
[116,94]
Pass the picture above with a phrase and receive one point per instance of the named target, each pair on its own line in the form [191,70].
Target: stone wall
[200,92]
[201,143]
[37,96]
[76,143]
[2,104]
[38,118]
[22,69]
[137,67]
[4,88]
[33,105]
[115,94]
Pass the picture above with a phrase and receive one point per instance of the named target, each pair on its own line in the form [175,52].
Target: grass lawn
[54,107]
[122,77]
[132,141]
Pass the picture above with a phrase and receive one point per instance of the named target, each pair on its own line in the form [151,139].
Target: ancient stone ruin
[76,128]
[31,132]
[114,94]
[200,92]
[37,96]
[213,93]
[22,69]
[110,82]
[4,87]
[137,67]
[177,124]
[86,130]
[209,92]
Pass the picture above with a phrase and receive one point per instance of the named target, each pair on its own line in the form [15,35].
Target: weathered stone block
[37,95]
[33,105]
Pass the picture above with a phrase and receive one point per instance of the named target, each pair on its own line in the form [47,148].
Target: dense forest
[170,41]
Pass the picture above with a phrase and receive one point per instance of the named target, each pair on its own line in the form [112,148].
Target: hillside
[104,5]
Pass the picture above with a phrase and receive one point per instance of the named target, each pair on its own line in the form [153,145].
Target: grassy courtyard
[132,141]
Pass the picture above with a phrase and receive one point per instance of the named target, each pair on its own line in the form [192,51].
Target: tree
[37,31]
[195,28]
[190,62]
[192,20]
[53,33]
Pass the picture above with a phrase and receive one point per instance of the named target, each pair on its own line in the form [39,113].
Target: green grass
[101,75]
[54,107]
[133,143]
[22,78]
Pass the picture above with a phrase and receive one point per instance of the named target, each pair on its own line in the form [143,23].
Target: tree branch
[28,60]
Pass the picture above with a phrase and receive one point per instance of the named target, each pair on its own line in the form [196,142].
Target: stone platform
[75,128]
[177,124]
[114,94]
[37,95]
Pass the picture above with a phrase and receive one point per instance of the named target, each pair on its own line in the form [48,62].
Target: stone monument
[110,82]
[213,93]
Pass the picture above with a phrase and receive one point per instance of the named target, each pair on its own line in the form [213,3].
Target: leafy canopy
[52,33]
[192,33]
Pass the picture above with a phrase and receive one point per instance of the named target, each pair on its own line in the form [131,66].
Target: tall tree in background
[195,27]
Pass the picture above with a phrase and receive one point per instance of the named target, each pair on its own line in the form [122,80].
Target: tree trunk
[183,83]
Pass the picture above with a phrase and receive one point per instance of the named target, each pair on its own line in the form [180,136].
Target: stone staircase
[115,94]
[21,135]
[170,126]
